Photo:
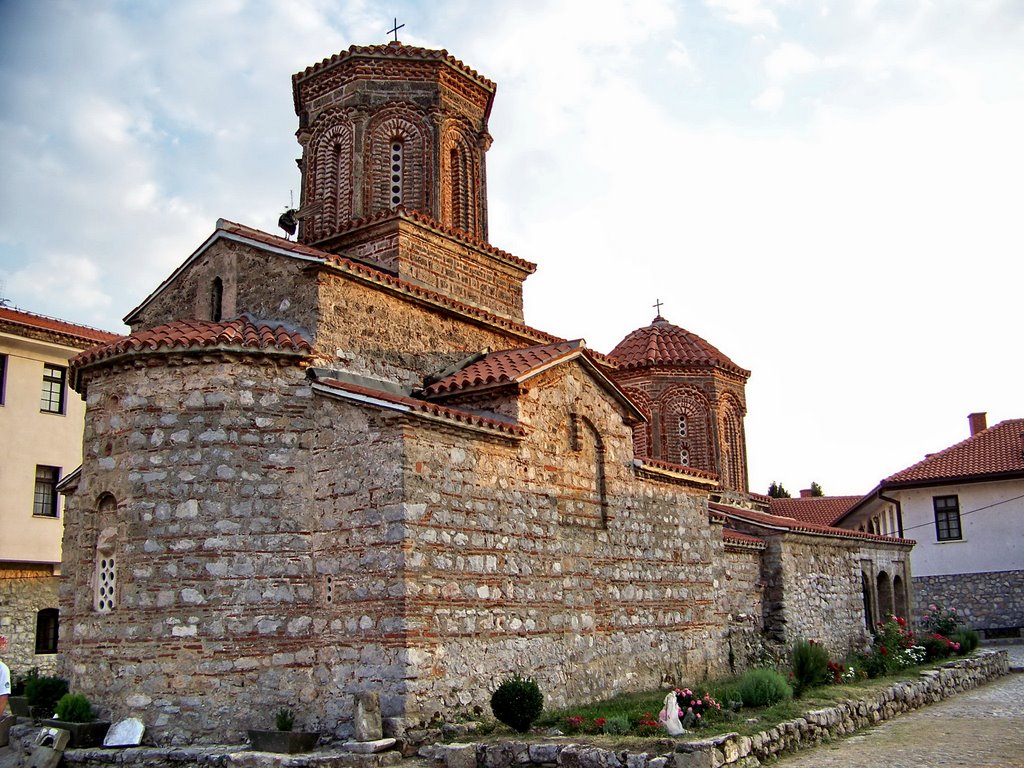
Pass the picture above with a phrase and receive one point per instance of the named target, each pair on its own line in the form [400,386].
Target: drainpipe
[899,510]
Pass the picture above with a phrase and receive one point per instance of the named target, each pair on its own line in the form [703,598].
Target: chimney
[806,493]
[978,422]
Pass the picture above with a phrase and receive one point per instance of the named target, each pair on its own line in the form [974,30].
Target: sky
[829,192]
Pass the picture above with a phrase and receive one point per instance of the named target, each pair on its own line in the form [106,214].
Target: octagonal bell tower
[390,126]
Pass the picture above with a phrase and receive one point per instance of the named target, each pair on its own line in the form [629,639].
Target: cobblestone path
[980,729]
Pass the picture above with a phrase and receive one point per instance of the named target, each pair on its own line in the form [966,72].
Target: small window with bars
[396,173]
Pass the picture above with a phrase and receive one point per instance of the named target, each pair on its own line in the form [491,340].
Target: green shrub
[45,691]
[969,641]
[938,647]
[517,703]
[74,708]
[284,719]
[810,665]
[762,688]
[18,688]
[616,725]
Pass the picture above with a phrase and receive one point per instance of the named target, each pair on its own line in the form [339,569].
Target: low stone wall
[731,749]
[993,600]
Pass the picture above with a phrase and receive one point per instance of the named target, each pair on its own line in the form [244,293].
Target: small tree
[816,489]
[777,491]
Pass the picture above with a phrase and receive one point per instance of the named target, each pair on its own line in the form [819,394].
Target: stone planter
[287,742]
[82,734]
[19,706]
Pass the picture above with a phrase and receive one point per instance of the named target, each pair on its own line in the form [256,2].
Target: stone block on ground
[125,733]
[366,723]
[369,747]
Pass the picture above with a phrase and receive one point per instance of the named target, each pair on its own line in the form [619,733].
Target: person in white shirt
[5,679]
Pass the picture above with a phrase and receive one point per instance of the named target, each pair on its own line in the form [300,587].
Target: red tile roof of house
[242,334]
[993,452]
[664,344]
[504,367]
[797,526]
[454,416]
[823,510]
[83,334]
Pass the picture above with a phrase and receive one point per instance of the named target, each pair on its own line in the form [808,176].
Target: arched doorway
[869,614]
[899,593]
[885,606]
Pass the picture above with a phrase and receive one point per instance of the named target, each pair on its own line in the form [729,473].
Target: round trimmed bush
[517,703]
[74,708]
[762,688]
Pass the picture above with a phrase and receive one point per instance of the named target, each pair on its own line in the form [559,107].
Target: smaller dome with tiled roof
[663,344]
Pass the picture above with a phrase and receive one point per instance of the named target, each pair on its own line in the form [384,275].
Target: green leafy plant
[616,725]
[45,691]
[762,688]
[284,719]
[810,665]
[18,688]
[969,640]
[517,702]
[74,708]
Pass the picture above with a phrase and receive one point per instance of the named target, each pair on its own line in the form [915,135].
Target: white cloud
[744,12]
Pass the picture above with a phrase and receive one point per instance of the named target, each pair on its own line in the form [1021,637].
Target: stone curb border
[731,749]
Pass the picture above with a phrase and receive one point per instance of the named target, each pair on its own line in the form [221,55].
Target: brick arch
[460,179]
[641,431]
[329,179]
[400,122]
[733,443]
[698,443]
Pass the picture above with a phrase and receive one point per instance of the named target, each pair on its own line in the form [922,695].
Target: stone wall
[194,488]
[992,600]
[25,589]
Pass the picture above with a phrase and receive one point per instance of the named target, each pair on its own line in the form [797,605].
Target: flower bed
[813,728]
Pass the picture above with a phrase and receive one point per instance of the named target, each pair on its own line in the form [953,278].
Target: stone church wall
[517,572]
[25,589]
[210,541]
[283,292]
[985,601]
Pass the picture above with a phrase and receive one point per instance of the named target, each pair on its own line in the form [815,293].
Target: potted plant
[284,739]
[43,692]
[18,701]
[75,715]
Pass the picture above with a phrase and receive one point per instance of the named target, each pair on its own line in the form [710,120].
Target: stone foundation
[984,601]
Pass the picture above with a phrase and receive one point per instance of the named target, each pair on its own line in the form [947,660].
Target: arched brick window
[459,182]
[105,574]
[733,448]
[685,431]
[329,180]
[396,160]
[217,300]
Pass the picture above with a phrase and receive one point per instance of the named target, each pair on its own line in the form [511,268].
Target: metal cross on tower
[657,306]
[394,29]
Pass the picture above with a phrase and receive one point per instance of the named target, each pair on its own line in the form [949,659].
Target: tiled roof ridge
[504,366]
[825,510]
[456,415]
[57,325]
[380,277]
[243,333]
[393,49]
[680,468]
[732,536]
[1001,450]
[401,212]
[799,526]
[664,344]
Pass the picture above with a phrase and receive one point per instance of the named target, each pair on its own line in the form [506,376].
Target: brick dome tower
[693,395]
[393,141]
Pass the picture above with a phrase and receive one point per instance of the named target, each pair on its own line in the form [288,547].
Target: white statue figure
[669,716]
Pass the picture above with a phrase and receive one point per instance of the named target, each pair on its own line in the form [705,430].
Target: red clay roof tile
[504,367]
[797,526]
[823,510]
[998,450]
[241,334]
[664,344]
[82,333]
[454,415]
[677,468]
[732,536]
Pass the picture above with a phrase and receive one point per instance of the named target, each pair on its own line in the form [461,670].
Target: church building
[345,462]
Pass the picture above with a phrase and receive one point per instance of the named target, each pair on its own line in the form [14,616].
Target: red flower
[883,650]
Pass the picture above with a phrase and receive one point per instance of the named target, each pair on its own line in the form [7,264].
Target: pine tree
[778,491]
[816,489]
